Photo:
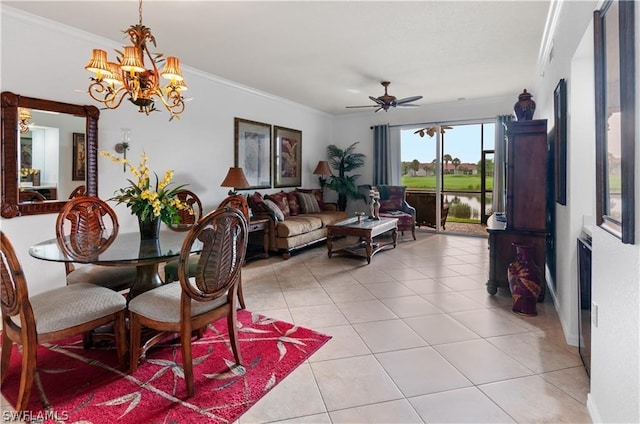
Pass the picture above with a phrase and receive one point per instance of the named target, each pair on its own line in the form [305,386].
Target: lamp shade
[235,178]
[98,62]
[172,69]
[322,168]
[131,61]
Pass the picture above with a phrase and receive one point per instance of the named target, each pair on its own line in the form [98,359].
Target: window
[615,114]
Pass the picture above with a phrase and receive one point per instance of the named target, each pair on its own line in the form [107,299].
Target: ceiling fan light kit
[386,101]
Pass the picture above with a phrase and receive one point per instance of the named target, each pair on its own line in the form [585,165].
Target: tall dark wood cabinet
[524,220]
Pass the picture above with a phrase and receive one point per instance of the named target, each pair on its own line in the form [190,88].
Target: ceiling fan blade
[375,99]
[407,105]
[408,100]
[353,107]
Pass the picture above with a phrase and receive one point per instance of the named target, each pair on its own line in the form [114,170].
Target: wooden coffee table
[366,230]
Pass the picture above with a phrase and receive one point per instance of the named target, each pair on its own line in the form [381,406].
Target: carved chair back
[15,295]
[81,190]
[223,234]
[237,201]
[188,220]
[85,219]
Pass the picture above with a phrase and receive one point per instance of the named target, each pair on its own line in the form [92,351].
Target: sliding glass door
[459,170]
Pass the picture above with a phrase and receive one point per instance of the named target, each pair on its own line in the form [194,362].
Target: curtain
[381,155]
[499,164]
[395,156]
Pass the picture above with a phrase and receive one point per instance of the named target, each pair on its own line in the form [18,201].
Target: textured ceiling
[328,55]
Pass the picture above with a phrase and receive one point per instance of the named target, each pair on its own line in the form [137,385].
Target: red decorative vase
[524,280]
[524,107]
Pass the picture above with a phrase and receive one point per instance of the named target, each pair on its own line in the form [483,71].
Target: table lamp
[236,180]
[322,169]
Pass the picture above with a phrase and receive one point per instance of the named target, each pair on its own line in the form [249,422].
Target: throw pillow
[256,203]
[275,209]
[294,206]
[308,203]
[317,193]
[281,200]
[390,204]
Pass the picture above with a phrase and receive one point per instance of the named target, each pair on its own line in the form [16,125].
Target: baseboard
[593,410]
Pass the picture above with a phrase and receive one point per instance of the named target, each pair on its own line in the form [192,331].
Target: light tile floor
[416,339]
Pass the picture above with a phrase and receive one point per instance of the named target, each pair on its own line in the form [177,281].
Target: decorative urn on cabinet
[524,107]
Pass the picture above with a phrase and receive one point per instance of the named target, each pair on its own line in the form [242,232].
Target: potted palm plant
[344,161]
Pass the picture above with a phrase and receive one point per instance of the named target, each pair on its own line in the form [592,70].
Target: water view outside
[461,159]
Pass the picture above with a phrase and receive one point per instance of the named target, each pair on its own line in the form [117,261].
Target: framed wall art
[560,125]
[252,149]
[79,160]
[287,157]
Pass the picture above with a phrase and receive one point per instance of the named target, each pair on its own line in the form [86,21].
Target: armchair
[393,204]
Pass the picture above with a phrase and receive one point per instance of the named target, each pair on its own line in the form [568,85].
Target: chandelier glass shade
[24,115]
[132,77]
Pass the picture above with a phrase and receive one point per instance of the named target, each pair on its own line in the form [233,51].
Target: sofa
[298,218]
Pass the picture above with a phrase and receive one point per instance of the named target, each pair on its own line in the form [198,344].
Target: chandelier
[131,76]
[24,115]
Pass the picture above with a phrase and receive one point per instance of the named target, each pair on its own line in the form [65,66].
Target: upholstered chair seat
[66,307]
[159,304]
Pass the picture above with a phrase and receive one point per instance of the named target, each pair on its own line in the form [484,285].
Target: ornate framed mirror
[41,153]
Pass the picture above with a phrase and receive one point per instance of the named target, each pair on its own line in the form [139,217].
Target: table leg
[265,242]
[394,236]
[369,247]
[147,278]
[329,242]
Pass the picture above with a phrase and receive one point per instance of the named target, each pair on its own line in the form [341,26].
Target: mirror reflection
[51,156]
[49,153]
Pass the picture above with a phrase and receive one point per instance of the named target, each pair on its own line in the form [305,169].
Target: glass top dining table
[118,250]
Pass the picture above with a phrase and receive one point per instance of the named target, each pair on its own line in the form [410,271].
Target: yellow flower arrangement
[28,171]
[145,201]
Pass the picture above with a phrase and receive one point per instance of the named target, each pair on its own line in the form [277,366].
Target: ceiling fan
[386,101]
[431,131]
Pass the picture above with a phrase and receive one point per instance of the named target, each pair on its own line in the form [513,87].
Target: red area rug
[77,385]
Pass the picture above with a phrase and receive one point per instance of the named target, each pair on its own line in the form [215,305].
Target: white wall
[199,146]
[615,372]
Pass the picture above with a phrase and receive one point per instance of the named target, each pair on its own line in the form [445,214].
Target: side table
[255,225]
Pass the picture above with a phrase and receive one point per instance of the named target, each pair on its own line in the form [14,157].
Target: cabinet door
[527,175]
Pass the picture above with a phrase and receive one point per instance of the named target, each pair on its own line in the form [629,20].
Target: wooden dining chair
[236,201]
[49,316]
[31,196]
[187,219]
[81,190]
[91,215]
[199,300]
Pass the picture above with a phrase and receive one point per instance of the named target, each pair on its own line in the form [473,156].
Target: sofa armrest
[270,215]
[330,207]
